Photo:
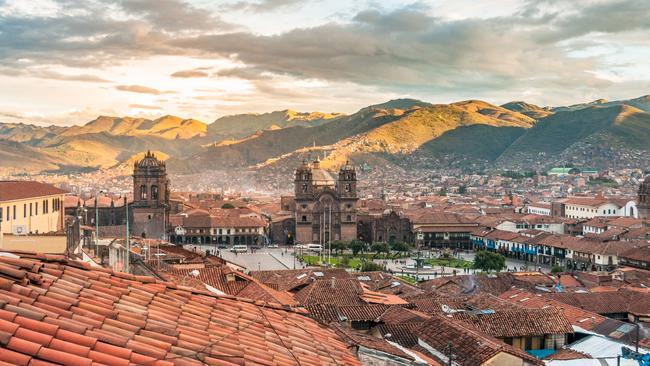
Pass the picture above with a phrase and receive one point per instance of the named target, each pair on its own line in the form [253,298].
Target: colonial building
[644,199]
[325,208]
[389,226]
[149,211]
[28,207]
[218,226]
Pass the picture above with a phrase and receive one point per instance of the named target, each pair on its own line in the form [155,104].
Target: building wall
[52,244]
[34,220]
[587,212]
[506,359]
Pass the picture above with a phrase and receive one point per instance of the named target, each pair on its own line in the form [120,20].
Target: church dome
[149,161]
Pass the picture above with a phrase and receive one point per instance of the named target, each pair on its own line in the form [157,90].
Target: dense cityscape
[324,183]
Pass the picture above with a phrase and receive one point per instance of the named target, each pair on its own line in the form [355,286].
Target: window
[348,218]
[1,211]
[304,218]
[24,210]
[143,192]
[348,188]
[36,208]
[304,188]
[154,193]
[14,212]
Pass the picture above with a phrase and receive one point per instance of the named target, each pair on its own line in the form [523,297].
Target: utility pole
[450,355]
[96,225]
[127,244]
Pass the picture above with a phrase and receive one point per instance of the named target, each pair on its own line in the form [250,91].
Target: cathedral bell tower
[150,207]
[644,199]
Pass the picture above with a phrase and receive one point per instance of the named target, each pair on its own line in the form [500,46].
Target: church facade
[149,212]
[325,208]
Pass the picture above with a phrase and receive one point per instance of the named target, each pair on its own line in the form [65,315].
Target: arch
[154,192]
[143,192]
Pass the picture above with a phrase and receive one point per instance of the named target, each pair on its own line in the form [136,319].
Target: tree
[442,192]
[357,246]
[227,206]
[379,248]
[400,247]
[368,266]
[462,189]
[557,269]
[338,246]
[488,261]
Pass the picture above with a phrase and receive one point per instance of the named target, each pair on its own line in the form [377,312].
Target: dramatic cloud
[138,89]
[307,53]
[190,74]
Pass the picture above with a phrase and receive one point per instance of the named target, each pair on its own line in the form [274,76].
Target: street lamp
[97,221]
[420,237]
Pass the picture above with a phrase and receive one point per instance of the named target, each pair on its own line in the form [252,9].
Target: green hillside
[559,131]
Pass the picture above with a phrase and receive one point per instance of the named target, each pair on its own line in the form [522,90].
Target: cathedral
[150,208]
[644,199]
[325,208]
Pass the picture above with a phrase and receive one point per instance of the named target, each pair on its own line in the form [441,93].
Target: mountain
[587,131]
[166,127]
[241,125]
[18,158]
[377,129]
[527,109]
[642,103]
[400,134]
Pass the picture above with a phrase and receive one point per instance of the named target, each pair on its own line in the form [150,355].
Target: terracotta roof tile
[121,319]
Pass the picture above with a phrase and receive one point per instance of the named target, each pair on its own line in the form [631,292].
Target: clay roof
[580,318]
[335,291]
[520,322]
[623,301]
[356,338]
[65,312]
[11,190]
[403,334]
[287,280]
[470,347]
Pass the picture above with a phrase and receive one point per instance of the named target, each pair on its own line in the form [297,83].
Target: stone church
[325,208]
[644,199]
[149,212]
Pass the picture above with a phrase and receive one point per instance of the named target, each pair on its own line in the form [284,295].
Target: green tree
[556,269]
[227,206]
[462,189]
[488,261]
[358,246]
[380,247]
[338,246]
[442,192]
[400,247]
[368,266]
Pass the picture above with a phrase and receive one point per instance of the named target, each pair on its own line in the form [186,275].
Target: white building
[539,208]
[29,207]
[590,207]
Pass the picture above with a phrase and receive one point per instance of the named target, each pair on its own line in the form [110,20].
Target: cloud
[263,5]
[144,106]
[190,74]
[138,89]
[409,50]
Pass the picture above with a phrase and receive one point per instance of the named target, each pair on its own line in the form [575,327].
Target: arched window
[154,193]
[348,218]
[304,188]
[143,192]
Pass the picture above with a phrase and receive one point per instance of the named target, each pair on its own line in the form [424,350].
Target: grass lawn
[451,262]
[314,260]
[408,279]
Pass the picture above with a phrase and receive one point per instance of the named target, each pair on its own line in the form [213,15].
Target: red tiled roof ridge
[52,310]
[87,267]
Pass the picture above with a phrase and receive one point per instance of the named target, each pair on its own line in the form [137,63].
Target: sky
[67,62]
